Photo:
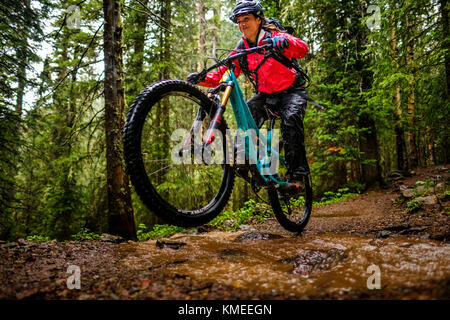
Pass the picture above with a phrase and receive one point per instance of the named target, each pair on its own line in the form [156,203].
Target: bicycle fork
[190,144]
[217,119]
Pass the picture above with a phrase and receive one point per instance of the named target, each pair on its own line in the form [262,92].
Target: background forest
[382,69]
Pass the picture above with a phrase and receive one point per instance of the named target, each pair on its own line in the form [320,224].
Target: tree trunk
[162,108]
[164,58]
[368,146]
[429,160]
[340,170]
[135,66]
[402,164]
[278,9]
[201,12]
[19,109]
[368,141]
[413,158]
[139,43]
[216,29]
[445,43]
[120,210]
[21,84]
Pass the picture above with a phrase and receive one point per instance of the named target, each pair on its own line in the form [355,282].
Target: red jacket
[272,75]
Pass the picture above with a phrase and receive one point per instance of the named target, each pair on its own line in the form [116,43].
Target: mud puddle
[306,265]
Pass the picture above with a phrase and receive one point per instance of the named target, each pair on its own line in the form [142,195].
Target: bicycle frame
[246,125]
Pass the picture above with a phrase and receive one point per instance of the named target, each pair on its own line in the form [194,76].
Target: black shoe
[294,186]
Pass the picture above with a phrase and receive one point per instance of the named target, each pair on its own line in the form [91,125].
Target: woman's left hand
[280,43]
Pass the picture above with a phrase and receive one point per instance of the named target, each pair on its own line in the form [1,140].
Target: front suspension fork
[209,137]
[217,119]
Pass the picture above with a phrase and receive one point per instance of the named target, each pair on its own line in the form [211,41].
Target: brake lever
[202,75]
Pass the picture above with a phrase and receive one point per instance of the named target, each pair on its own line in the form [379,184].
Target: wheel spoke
[161,169]
[187,186]
[157,160]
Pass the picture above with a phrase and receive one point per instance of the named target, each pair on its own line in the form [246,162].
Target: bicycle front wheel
[164,155]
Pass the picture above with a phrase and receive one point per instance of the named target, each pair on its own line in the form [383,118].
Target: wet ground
[303,266]
[367,247]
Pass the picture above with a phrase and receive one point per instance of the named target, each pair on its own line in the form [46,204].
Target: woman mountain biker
[278,86]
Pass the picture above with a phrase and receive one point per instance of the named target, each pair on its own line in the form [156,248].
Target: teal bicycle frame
[246,124]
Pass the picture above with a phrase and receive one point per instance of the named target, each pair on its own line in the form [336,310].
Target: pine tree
[20,25]
[121,217]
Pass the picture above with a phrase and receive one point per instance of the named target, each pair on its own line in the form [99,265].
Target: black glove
[195,78]
[279,42]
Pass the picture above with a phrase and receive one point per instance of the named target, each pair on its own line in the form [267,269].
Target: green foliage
[332,197]
[37,238]
[424,187]
[58,188]
[85,234]
[157,231]
[20,32]
[413,206]
[356,187]
[251,212]
[427,183]
[299,201]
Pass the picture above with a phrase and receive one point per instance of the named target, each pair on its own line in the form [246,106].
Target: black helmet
[245,7]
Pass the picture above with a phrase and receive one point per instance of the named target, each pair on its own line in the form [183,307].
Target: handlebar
[241,53]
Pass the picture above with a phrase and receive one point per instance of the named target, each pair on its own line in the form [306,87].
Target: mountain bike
[182,157]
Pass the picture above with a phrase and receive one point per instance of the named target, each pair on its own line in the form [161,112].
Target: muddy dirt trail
[367,247]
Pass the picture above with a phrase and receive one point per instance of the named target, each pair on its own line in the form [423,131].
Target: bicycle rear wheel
[164,158]
[292,212]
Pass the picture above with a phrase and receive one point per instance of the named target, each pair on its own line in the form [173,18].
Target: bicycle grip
[267,43]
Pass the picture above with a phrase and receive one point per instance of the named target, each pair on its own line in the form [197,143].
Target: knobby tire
[141,181]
